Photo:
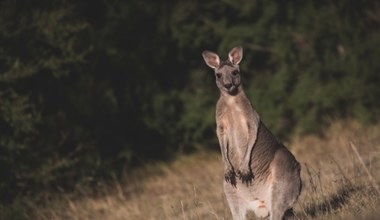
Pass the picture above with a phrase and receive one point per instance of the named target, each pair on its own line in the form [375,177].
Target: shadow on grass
[332,202]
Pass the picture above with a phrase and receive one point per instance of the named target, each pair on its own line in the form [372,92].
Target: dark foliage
[90,88]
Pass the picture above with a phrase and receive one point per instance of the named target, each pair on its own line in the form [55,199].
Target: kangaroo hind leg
[236,204]
[283,195]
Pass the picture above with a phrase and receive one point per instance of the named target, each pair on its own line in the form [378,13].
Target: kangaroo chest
[233,119]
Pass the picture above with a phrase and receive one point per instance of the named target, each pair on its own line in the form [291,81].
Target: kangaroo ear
[235,55]
[211,59]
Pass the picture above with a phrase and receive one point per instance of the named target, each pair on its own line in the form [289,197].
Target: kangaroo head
[227,72]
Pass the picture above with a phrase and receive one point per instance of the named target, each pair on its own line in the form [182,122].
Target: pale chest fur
[233,115]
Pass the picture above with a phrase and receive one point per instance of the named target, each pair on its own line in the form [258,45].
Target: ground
[340,174]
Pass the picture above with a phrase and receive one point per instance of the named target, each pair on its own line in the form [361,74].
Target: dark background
[92,89]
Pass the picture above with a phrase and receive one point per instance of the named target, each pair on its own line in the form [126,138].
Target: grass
[340,174]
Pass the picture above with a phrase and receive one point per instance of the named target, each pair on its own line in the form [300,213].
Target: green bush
[89,89]
[305,61]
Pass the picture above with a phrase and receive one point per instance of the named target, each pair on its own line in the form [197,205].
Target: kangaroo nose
[228,85]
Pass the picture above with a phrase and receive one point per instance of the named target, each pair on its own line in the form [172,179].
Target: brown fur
[260,173]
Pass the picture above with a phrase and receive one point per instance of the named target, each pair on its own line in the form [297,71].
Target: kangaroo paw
[230,177]
[246,176]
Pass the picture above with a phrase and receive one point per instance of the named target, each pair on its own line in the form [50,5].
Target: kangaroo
[260,174]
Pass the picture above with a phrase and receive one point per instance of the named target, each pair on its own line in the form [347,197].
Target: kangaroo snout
[229,87]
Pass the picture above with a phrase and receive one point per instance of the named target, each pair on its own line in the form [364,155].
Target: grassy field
[340,174]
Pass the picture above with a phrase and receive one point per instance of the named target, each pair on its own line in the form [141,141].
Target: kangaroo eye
[218,75]
[235,72]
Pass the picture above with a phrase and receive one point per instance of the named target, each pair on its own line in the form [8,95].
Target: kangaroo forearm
[252,134]
[247,155]
[223,141]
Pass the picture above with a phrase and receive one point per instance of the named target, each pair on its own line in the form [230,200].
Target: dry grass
[340,173]
[338,183]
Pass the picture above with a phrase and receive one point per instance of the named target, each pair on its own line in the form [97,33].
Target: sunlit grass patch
[337,184]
